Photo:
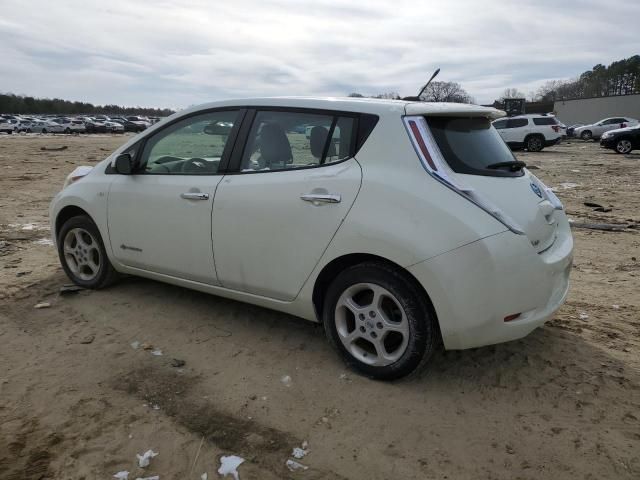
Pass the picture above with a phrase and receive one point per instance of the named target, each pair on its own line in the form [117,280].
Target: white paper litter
[145,458]
[568,185]
[42,305]
[615,307]
[157,352]
[229,466]
[299,452]
[286,380]
[583,316]
[123,475]
[135,345]
[204,476]
[155,477]
[293,466]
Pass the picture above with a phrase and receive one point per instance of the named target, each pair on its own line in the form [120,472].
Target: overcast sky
[174,53]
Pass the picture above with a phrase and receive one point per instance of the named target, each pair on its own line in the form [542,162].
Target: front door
[273,219]
[160,217]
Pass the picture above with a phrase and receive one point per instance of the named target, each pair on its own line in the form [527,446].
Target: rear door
[160,217]
[293,184]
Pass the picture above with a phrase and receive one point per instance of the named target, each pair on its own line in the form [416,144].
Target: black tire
[103,276]
[29,130]
[624,146]
[67,130]
[423,336]
[586,135]
[534,143]
[44,130]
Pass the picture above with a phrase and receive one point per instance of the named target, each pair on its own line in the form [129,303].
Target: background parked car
[622,140]
[46,126]
[533,132]
[595,130]
[7,125]
[570,130]
[71,126]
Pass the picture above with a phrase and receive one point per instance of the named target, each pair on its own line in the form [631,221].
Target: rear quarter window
[545,121]
[517,122]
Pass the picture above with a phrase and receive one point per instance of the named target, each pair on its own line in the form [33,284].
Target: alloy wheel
[623,146]
[371,324]
[82,254]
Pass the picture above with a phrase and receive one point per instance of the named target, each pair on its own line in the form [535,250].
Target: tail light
[623,125]
[432,161]
[556,128]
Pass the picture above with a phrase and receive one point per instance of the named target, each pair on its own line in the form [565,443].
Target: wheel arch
[339,264]
[66,213]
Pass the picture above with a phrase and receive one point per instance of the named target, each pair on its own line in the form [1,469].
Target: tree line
[435,92]
[20,104]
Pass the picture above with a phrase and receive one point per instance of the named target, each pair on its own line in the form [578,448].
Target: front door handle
[195,196]
[321,198]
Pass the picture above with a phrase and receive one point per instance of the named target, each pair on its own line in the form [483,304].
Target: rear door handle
[195,196]
[321,198]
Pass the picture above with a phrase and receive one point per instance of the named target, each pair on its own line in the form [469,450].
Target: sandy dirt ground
[77,401]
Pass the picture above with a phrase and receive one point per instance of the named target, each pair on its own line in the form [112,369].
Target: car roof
[353,104]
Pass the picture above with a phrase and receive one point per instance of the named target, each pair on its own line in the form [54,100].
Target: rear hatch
[459,147]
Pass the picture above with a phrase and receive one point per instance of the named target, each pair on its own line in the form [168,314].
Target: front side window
[290,140]
[192,146]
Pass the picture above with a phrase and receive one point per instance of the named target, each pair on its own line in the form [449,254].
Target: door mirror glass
[124,164]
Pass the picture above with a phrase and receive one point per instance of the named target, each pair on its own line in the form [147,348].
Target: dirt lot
[78,401]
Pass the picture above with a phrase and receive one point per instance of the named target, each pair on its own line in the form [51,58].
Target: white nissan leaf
[399,225]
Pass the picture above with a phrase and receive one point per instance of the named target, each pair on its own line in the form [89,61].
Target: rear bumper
[473,288]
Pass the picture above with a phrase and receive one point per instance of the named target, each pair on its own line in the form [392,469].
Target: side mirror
[124,164]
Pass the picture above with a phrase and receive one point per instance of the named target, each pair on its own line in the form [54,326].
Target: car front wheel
[623,146]
[82,254]
[586,135]
[379,321]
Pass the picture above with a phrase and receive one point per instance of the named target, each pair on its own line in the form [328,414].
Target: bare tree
[512,93]
[446,92]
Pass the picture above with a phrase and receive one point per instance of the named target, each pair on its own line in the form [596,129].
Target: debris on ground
[299,452]
[147,346]
[286,380]
[42,305]
[597,207]
[54,149]
[44,241]
[607,227]
[177,363]
[204,476]
[157,352]
[22,274]
[135,345]
[294,466]
[145,458]
[88,339]
[123,475]
[583,316]
[229,466]
[569,185]
[70,288]
[154,477]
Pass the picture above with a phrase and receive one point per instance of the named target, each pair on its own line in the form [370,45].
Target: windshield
[472,145]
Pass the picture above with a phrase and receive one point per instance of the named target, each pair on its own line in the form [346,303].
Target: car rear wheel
[44,130]
[82,254]
[535,143]
[67,130]
[586,135]
[379,321]
[624,146]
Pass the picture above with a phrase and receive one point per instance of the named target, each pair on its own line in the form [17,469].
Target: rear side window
[290,140]
[545,121]
[517,122]
[470,145]
[500,124]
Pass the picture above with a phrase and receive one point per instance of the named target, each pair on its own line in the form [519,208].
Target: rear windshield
[470,145]
[545,121]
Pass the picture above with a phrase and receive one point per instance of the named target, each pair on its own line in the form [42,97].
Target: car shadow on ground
[550,357]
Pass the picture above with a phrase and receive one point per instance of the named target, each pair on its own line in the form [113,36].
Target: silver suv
[533,132]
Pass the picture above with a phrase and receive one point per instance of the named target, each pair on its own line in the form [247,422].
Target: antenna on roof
[417,98]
